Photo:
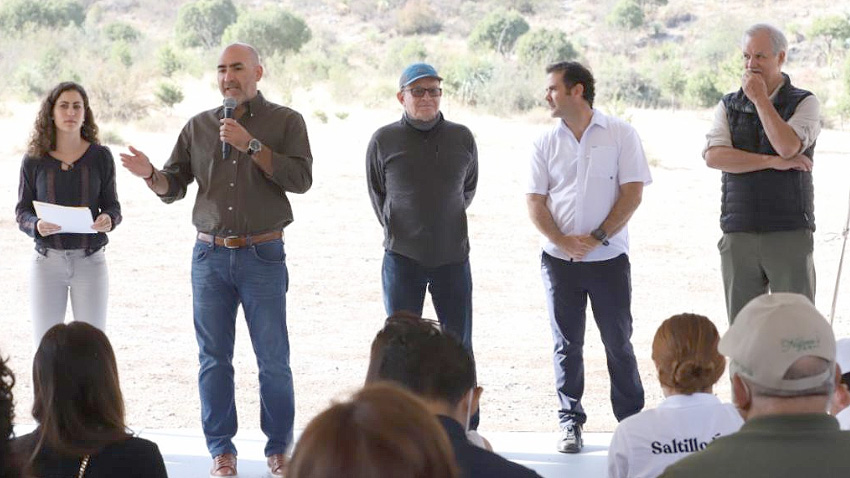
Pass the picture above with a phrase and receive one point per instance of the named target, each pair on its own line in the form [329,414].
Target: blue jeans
[256,277]
[405,281]
[608,285]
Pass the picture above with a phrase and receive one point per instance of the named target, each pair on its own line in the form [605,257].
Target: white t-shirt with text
[645,444]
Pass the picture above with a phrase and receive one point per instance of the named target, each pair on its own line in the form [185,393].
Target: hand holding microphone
[229,106]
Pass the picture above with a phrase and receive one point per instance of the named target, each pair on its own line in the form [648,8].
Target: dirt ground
[334,253]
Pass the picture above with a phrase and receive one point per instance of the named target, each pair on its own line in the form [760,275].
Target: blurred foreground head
[77,398]
[381,432]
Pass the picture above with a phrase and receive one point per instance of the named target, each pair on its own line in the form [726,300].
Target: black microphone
[229,106]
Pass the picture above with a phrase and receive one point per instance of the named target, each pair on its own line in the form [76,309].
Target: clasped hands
[577,247]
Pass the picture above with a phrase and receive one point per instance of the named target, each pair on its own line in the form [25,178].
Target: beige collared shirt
[805,122]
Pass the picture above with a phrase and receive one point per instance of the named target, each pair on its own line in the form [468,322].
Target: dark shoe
[224,465]
[570,441]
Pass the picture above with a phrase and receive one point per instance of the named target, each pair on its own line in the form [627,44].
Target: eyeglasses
[420,92]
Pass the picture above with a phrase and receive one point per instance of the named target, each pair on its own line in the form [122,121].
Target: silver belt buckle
[230,242]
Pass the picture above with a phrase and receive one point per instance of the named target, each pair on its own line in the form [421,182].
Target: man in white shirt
[587,179]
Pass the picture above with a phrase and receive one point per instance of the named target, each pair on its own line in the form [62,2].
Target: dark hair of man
[8,468]
[399,324]
[432,365]
[43,137]
[77,398]
[845,379]
[574,73]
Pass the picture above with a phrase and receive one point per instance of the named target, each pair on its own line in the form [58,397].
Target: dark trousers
[450,285]
[608,284]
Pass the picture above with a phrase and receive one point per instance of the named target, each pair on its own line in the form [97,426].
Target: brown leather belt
[235,242]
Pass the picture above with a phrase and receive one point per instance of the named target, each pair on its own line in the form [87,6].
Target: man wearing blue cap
[422,172]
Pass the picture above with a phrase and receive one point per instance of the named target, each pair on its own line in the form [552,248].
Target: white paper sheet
[70,219]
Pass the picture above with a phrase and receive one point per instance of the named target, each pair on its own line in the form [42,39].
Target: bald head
[239,70]
[246,49]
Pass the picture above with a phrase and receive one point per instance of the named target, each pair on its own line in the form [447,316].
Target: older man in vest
[763,139]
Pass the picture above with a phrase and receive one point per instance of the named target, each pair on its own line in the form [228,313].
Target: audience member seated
[782,363]
[382,432]
[414,353]
[79,410]
[685,354]
[8,465]
[841,397]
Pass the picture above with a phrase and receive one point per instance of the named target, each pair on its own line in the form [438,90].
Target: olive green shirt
[776,446]
[235,196]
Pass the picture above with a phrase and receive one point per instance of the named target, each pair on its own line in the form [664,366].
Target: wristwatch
[600,235]
[254,146]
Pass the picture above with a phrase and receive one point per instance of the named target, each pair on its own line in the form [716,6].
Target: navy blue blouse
[89,182]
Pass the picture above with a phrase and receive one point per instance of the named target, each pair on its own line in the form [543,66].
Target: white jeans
[51,278]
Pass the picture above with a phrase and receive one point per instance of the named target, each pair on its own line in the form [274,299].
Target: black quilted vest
[767,200]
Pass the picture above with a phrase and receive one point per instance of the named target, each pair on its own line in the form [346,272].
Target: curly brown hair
[8,467]
[43,138]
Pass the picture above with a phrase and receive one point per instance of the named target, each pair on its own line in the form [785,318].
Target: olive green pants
[757,263]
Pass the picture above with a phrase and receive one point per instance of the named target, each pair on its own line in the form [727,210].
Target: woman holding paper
[65,165]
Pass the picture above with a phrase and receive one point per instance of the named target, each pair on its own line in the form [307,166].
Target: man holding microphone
[240,211]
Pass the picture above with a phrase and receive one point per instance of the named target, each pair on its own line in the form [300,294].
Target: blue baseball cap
[415,72]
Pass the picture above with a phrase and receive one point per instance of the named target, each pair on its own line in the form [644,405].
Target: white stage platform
[186,455]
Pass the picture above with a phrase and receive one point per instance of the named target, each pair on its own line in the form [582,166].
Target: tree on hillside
[544,46]
[673,81]
[202,23]
[498,31]
[418,17]
[122,32]
[626,14]
[19,15]
[271,31]
[832,31]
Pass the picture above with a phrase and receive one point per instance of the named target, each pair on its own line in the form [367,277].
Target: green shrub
[671,77]
[110,136]
[468,78]
[403,52]
[321,116]
[832,30]
[847,76]
[19,15]
[271,31]
[168,94]
[626,14]
[168,60]
[629,87]
[202,23]
[122,31]
[510,90]
[417,17]
[544,46]
[498,31]
[122,53]
[111,103]
[701,90]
